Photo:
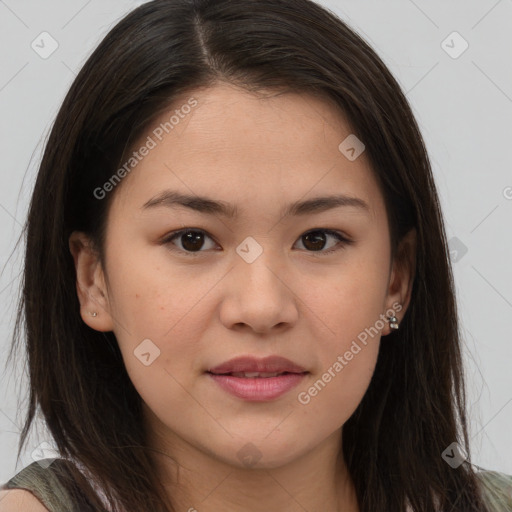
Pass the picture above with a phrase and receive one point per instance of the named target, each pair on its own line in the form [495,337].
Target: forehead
[239,146]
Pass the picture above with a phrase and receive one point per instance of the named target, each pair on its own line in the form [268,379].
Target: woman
[237,290]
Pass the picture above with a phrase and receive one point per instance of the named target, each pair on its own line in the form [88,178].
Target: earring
[393,322]
[93,313]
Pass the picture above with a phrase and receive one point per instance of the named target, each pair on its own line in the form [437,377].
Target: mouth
[257,386]
[255,375]
[247,365]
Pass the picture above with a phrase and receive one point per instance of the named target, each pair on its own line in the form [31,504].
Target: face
[312,284]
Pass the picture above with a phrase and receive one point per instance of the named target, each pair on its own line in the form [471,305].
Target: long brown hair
[414,407]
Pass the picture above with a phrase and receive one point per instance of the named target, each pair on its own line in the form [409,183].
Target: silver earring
[393,322]
[93,313]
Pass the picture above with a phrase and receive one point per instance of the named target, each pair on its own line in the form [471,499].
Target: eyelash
[344,241]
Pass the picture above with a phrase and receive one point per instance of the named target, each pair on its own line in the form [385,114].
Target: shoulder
[35,487]
[45,486]
[20,500]
[497,490]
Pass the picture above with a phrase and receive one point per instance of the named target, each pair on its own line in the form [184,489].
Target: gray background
[463,104]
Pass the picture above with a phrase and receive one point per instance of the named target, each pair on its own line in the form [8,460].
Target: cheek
[347,353]
[150,296]
[333,396]
[156,317]
[348,306]
[350,297]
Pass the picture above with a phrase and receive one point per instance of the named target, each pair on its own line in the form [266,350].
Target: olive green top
[39,478]
[43,479]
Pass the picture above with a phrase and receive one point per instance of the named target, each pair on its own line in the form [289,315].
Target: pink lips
[258,388]
[268,364]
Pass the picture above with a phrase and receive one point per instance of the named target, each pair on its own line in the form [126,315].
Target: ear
[90,283]
[402,278]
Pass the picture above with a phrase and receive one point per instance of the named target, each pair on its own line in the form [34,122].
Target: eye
[191,241]
[316,240]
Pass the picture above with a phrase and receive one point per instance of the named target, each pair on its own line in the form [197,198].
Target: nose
[259,296]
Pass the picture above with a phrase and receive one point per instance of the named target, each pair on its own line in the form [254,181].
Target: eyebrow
[206,205]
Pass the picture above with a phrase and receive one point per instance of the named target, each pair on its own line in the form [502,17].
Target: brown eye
[316,240]
[191,240]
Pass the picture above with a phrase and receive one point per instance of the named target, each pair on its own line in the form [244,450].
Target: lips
[254,375]
[252,367]
[257,380]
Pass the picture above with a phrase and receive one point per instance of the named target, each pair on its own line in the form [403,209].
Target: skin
[291,301]
[19,499]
